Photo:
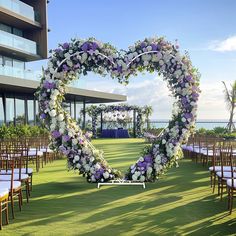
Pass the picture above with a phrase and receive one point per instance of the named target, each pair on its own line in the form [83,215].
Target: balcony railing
[20,73]
[18,43]
[19,8]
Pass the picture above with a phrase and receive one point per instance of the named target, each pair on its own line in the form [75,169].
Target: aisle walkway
[181,203]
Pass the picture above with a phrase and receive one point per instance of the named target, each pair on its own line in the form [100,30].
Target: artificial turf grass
[180,203]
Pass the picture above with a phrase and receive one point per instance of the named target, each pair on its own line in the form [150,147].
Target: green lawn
[180,203]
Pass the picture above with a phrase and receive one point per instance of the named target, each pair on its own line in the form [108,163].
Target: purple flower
[48,85]
[189,78]
[143,45]
[56,134]
[65,138]
[85,47]
[94,46]
[154,47]
[65,67]
[65,45]
[99,173]
[43,116]
[76,66]
[148,158]
[188,115]
[57,50]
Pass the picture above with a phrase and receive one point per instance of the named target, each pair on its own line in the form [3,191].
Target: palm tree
[148,112]
[230,99]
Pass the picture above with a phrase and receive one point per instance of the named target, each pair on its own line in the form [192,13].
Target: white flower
[106,175]
[142,178]
[78,165]
[134,177]
[74,141]
[141,159]
[163,141]
[149,170]
[86,167]
[60,117]
[52,113]
[93,179]
[76,158]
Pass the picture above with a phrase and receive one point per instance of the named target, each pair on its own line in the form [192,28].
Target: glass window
[18,64]
[1,111]
[30,112]
[8,61]
[17,32]
[1,60]
[20,111]
[79,114]
[72,107]
[38,122]
[9,110]
[66,106]
[5,28]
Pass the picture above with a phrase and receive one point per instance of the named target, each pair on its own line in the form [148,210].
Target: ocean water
[206,124]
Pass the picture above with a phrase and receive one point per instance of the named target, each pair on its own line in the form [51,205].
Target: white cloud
[154,92]
[226,45]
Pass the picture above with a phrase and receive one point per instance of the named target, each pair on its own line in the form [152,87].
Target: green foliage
[218,132]
[17,131]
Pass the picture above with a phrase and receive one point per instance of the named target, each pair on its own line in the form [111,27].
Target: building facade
[23,38]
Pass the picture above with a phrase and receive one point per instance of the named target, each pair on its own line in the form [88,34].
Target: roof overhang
[28,87]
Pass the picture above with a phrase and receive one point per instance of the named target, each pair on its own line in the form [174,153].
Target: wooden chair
[231,183]
[225,156]
[14,187]
[4,194]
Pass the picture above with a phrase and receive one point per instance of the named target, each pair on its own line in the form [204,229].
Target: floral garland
[152,54]
[95,111]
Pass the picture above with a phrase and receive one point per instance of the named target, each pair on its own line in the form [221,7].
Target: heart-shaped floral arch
[152,54]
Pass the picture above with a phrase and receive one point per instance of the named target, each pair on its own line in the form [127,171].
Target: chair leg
[231,200]
[12,207]
[7,213]
[0,215]
[214,183]
[27,190]
[228,189]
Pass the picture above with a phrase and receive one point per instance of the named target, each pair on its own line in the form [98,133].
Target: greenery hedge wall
[12,131]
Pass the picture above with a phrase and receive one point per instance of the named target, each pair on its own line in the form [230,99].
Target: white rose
[52,113]
[149,170]
[93,179]
[76,158]
[78,165]
[86,167]
[163,141]
[141,159]
[142,178]
[74,141]
[134,177]
[60,117]
[106,175]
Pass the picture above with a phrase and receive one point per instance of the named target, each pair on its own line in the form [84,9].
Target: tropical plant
[230,99]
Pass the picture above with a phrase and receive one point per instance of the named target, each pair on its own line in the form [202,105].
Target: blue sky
[205,28]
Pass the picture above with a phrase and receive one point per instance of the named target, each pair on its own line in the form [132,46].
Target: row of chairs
[18,159]
[220,155]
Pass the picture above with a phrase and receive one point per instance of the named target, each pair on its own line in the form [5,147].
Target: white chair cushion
[3,192]
[34,152]
[230,183]
[16,171]
[226,175]
[16,177]
[218,168]
[7,184]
